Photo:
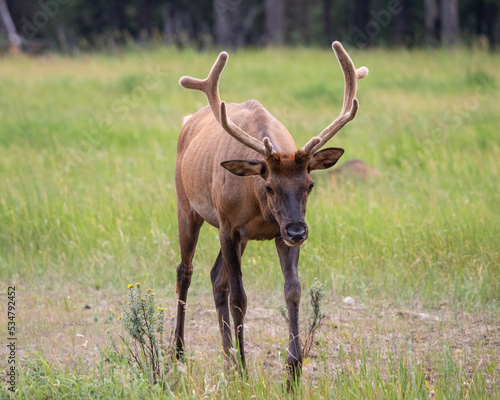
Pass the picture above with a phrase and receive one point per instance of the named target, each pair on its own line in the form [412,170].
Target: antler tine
[350,105]
[265,147]
[210,85]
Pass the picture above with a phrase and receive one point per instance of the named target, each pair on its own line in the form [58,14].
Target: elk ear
[245,167]
[326,158]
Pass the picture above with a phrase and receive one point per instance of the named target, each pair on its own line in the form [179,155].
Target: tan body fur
[219,194]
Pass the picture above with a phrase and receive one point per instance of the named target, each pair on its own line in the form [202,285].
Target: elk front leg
[231,250]
[189,229]
[289,259]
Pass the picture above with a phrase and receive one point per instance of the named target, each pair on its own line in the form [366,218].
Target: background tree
[450,31]
[86,24]
[225,13]
[431,21]
[14,38]
[275,21]
[404,32]
[361,15]
[480,19]
[328,21]
[492,22]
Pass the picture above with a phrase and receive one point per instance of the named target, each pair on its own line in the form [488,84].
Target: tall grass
[88,149]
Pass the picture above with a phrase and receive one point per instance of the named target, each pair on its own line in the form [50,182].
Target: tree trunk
[14,38]
[119,14]
[144,16]
[361,14]
[450,29]
[493,24]
[404,33]
[224,13]
[431,21]
[275,21]
[303,19]
[363,36]
[328,21]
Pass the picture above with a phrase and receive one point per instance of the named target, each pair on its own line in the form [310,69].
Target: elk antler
[210,86]
[350,105]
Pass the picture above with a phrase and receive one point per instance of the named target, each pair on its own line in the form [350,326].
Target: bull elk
[238,169]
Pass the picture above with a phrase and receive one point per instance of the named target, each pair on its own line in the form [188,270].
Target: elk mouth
[295,234]
[293,244]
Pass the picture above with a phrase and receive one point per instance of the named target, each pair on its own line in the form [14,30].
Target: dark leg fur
[189,229]
[289,258]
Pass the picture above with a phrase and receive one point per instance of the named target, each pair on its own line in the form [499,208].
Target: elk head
[286,184]
[286,181]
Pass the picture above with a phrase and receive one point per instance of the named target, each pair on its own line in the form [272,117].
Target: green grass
[87,198]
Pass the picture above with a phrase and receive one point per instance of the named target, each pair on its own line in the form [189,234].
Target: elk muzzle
[295,233]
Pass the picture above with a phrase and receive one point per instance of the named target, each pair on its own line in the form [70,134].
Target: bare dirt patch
[67,329]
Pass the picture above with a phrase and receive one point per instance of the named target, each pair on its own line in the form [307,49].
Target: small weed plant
[143,320]
[314,315]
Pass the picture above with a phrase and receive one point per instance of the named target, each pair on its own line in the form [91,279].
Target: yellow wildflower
[138,283]
[161,308]
[119,318]
[130,286]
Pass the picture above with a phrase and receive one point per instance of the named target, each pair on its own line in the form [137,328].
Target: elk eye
[269,190]
[310,188]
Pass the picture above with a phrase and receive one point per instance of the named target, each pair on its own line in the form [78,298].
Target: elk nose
[297,232]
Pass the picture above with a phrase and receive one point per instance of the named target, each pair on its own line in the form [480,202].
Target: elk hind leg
[220,286]
[232,250]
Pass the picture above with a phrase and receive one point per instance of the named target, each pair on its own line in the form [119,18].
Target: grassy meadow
[87,206]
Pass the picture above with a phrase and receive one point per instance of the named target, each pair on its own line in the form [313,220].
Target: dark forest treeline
[85,24]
